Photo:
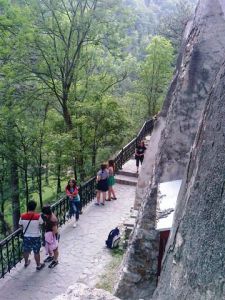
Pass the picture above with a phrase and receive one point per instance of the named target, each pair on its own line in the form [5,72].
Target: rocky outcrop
[198,66]
[194,263]
[82,292]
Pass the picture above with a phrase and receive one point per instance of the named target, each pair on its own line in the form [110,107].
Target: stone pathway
[83,254]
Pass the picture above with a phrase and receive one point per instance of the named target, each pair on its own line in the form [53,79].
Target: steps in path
[127,180]
[128,174]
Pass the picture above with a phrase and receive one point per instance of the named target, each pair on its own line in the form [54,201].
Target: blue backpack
[113,239]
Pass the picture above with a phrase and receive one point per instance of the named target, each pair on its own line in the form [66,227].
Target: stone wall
[203,53]
[194,263]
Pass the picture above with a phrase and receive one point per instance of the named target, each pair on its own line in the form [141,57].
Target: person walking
[111,180]
[74,200]
[139,153]
[51,236]
[102,184]
[31,222]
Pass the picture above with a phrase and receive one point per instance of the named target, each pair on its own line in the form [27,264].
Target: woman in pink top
[74,200]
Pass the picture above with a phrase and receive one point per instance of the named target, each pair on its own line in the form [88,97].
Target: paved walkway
[83,254]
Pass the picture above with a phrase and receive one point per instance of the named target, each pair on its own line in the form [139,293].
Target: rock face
[194,263]
[198,66]
[82,292]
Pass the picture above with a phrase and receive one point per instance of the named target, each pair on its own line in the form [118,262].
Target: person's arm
[136,152]
[98,177]
[75,192]
[68,193]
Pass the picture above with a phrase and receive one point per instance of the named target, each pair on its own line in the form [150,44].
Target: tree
[156,72]
[173,23]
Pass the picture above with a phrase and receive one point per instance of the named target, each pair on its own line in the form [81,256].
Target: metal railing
[11,246]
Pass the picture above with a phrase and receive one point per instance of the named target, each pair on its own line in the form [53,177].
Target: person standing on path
[51,235]
[31,222]
[111,180]
[74,200]
[139,153]
[102,184]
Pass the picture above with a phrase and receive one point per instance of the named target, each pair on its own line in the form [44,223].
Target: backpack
[113,239]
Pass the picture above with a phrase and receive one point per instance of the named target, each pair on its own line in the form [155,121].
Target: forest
[78,79]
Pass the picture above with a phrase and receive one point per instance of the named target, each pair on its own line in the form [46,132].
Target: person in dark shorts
[139,153]
[51,235]
[102,184]
[31,222]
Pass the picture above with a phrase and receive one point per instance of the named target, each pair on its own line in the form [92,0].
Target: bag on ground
[113,239]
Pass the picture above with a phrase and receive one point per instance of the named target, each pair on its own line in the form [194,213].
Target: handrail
[11,246]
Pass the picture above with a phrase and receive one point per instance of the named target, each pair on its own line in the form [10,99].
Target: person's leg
[26,258]
[36,249]
[80,207]
[137,163]
[37,258]
[98,196]
[27,248]
[113,193]
[74,212]
[71,208]
[55,260]
[109,193]
[103,197]
[141,159]
[77,210]
[56,254]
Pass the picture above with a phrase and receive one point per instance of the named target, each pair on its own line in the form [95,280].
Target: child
[51,236]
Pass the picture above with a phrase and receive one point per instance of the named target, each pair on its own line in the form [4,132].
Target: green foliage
[156,72]
[74,85]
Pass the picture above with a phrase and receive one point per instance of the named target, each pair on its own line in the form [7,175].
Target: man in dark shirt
[139,153]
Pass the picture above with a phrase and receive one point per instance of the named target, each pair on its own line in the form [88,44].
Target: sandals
[53,264]
[114,198]
[48,259]
[41,266]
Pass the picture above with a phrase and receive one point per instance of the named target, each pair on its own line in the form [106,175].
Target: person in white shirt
[31,222]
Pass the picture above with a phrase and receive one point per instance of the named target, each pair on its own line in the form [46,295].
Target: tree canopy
[75,86]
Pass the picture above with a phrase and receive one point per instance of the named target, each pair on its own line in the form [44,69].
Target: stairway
[128,175]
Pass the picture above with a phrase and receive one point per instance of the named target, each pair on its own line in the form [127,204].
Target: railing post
[122,154]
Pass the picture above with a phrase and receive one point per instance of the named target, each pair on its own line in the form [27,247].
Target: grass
[109,278]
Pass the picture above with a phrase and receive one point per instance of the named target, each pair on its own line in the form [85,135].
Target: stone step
[121,179]
[129,222]
[127,173]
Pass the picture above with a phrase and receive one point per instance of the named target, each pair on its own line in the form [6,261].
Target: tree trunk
[15,195]
[46,175]
[40,180]
[59,189]
[26,183]
[67,117]
[75,167]
[81,156]
[94,155]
